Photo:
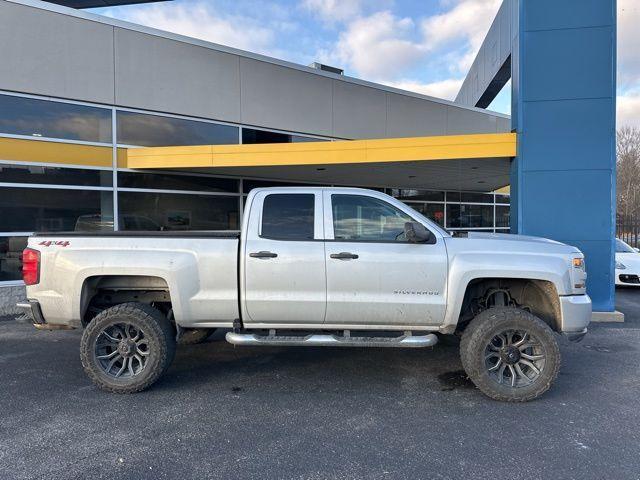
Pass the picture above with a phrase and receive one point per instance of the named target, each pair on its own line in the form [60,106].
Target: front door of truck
[374,276]
[284,266]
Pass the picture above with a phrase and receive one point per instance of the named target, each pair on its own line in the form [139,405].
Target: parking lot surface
[318,413]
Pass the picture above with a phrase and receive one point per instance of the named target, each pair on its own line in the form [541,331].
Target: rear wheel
[510,354]
[193,336]
[126,348]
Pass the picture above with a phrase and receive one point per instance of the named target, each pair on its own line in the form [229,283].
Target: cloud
[467,23]
[200,20]
[446,89]
[628,41]
[378,46]
[333,10]
[629,109]
[395,50]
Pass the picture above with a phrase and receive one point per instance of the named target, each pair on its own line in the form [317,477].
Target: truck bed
[136,234]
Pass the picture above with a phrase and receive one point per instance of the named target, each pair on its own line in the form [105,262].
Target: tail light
[30,266]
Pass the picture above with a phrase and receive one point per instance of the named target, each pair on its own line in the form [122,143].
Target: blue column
[564,91]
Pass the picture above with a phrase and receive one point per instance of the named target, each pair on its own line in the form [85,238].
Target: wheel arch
[538,296]
[99,292]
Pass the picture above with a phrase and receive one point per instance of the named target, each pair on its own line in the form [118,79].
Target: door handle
[263,254]
[344,256]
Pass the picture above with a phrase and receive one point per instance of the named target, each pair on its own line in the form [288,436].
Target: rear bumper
[32,309]
[575,313]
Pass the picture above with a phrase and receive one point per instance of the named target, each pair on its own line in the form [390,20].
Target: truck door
[284,265]
[374,276]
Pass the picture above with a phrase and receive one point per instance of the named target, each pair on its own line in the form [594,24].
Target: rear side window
[288,216]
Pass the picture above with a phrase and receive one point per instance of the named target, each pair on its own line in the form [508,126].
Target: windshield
[622,247]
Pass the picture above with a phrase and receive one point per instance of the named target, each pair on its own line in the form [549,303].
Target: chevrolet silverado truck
[331,267]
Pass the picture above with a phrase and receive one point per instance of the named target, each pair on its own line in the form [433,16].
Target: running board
[323,340]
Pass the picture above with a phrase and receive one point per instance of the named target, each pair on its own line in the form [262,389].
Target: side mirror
[417,233]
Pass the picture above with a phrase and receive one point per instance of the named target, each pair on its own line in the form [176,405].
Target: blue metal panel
[569,206]
[574,63]
[556,127]
[564,113]
[562,14]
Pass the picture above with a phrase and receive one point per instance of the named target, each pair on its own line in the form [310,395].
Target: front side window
[360,218]
[288,216]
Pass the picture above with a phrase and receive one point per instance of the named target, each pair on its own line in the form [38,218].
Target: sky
[425,46]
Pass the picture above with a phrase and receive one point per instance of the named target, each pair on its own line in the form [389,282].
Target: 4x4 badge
[60,243]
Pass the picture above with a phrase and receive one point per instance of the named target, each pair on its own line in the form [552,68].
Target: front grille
[629,279]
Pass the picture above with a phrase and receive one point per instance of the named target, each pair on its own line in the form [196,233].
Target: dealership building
[108,125]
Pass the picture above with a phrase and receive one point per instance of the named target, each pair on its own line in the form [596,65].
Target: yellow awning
[489,146]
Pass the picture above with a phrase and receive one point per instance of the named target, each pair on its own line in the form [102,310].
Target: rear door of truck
[284,258]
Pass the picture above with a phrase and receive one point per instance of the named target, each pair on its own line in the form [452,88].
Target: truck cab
[339,258]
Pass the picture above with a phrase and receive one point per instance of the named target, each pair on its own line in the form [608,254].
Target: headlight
[620,266]
[578,275]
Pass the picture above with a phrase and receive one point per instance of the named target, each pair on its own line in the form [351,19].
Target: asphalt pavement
[229,412]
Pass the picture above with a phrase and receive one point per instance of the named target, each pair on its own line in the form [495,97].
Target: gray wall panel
[284,98]
[504,125]
[412,117]
[160,74]
[461,121]
[358,112]
[51,54]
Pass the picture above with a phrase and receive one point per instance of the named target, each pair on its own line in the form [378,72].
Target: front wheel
[510,354]
[126,348]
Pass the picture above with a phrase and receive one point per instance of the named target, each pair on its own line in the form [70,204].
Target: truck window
[357,217]
[288,216]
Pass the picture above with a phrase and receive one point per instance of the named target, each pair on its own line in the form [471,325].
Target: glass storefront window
[433,211]
[252,135]
[11,257]
[469,197]
[412,194]
[503,218]
[174,211]
[501,198]
[55,175]
[167,181]
[44,118]
[469,216]
[159,131]
[53,210]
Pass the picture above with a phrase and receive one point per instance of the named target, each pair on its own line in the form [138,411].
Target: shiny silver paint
[392,286]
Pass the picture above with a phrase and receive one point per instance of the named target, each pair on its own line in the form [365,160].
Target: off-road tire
[483,328]
[193,336]
[157,329]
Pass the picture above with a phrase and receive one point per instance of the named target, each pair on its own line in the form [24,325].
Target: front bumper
[627,279]
[575,312]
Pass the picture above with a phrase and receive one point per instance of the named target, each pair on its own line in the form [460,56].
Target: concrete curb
[607,317]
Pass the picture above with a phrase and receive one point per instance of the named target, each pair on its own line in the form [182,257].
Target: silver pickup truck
[319,267]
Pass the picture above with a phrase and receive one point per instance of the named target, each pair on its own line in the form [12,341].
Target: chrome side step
[323,340]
